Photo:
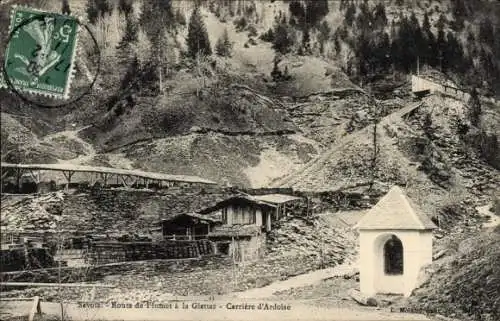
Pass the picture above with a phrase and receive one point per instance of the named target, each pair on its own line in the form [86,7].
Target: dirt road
[298,281]
[221,310]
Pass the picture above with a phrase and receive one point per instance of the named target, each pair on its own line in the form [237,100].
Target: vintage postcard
[250,160]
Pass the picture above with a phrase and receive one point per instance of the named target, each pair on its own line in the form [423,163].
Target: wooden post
[18,179]
[124,180]
[92,294]
[68,178]
[35,308]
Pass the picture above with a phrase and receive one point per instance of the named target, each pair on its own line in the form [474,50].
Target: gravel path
[298,281]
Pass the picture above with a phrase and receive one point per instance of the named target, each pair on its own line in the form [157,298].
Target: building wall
[238,214]
[248,249]
[417,252]
[420,84]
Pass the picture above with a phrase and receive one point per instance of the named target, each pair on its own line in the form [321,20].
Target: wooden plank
[68,177]
[16,299]
[104,177]
[35,308]
[124,181]
[64,285]
[19,172]
[4,174]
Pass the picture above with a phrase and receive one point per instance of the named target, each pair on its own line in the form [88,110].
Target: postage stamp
[41,52]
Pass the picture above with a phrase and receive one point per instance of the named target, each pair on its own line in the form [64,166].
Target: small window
[393,256]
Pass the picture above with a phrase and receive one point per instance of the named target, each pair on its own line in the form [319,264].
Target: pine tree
[350,14]
[380,17]
[486,32]
[130,80]
[224,46]
[474,108]
[428,50]
[92,11]
[197,40]
[384,53]
[440,49]
[426,24]
[125,52]
[454,54]
[97,8]
[130,33]
[407,54]
[315,11]
[180,18]
[442,21]
[418,37]
[298,11]
[306,41]
[157,20]
[65,7]
[125,6]
[283,40]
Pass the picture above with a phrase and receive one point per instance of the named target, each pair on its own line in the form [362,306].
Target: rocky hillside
[419,146]
[469,266]
[256,109]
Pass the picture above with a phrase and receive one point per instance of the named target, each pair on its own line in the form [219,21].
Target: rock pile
[313,238]
[33,213]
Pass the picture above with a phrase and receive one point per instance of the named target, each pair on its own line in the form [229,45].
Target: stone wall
[113,252]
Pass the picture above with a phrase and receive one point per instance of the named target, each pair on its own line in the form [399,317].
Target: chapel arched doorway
[393,256]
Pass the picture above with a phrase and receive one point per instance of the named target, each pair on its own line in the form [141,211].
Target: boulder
[362,298]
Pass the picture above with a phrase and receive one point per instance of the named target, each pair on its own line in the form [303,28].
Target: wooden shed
[188,226]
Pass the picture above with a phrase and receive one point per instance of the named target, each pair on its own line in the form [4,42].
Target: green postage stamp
[41,51]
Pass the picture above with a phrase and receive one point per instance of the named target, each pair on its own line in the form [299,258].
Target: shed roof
[110,170]
[192,216]
[276,198]
[397,212]
[233,200]
[270,200]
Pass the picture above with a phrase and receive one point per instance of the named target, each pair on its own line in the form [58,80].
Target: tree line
[148,41]
[379,46]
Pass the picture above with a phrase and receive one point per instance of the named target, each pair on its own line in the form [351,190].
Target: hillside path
[315,165]
[298,281]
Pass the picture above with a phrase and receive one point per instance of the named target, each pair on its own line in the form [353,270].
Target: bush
[267,36]
[240,23]
[252,31]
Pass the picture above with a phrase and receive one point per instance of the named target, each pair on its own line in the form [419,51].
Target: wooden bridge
[104,175]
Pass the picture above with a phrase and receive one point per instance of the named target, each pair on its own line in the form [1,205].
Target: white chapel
[395,239]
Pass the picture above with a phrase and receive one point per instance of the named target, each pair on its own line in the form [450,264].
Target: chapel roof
[397,212]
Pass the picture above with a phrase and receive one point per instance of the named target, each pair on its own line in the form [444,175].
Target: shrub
[268,36]
[240,23]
